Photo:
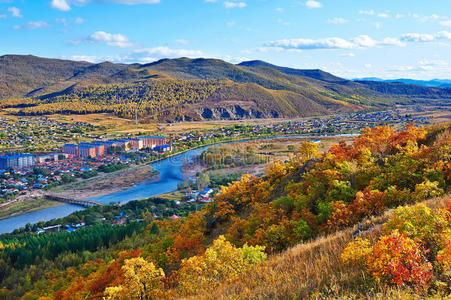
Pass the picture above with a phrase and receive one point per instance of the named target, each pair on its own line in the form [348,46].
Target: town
[21,173]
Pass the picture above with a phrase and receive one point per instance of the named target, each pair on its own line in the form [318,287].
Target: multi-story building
[110,144]
[16,161]
[153,141]
[50,157]
[71,149]
[136,144]
[100,148]
[87,150]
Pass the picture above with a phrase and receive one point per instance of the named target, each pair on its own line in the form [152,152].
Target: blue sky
[350,38]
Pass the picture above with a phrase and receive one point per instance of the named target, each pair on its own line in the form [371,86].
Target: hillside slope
[261,89]
[221,250]
[314,269]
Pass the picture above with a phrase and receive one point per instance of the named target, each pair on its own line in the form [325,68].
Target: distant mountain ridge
[192,89]
[427,83]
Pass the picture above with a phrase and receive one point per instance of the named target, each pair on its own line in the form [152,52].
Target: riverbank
[18,208]
[100,185]
[279,151]
[123,190]
[108,183]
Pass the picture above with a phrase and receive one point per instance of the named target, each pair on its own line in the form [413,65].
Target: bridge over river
[79,202]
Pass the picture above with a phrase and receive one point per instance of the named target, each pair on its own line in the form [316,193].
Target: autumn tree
[221,263]
[142,280]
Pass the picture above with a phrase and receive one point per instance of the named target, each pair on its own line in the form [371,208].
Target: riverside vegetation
[236,246]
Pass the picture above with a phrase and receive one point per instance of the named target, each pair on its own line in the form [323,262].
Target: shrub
[414,250]
[427,189]
[398,259]
[430,228]
[221,262]
[357,253]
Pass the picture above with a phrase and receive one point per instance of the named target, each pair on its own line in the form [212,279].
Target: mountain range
[428,83]
[192,89]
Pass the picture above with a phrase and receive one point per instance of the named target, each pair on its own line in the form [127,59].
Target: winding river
[170,175]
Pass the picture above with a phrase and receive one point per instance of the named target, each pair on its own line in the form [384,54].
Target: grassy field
[176,196]
[23,207]
[107,183]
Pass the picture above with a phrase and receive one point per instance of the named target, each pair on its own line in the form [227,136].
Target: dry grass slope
[314,270]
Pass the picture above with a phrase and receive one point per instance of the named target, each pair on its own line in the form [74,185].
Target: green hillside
[164,91]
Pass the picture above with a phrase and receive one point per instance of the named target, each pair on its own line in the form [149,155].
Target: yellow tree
[142,280]
[308,150]
[221,263]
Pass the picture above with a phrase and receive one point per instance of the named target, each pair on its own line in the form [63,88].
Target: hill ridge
[51,81]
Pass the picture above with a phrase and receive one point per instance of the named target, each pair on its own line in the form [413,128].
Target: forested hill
[191,89]
[257,238]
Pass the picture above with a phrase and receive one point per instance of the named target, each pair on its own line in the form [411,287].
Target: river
[170,175]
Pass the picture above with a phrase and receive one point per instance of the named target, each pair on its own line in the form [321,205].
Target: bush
[398,259]
[430,228]
[414,250]
[221,262]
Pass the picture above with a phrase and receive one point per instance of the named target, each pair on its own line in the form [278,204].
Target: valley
[187,158]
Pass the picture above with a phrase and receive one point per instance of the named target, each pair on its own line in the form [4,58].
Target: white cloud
[368,66]
[32,25]
[433,17]
[15,12]
[228,4]
[308,44]
[444,35]
[337,21]
[2,16]
[359,42]
[446,23]
[392,42]
[363,41]
[313,4]
[366,12]
[383,15]
[66,22]
[147,55]
[424,69]
[88,58]
[60,5]
[417,37]
[113,40]
[426,62]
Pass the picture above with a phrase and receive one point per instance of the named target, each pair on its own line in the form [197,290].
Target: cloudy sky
[350,38]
